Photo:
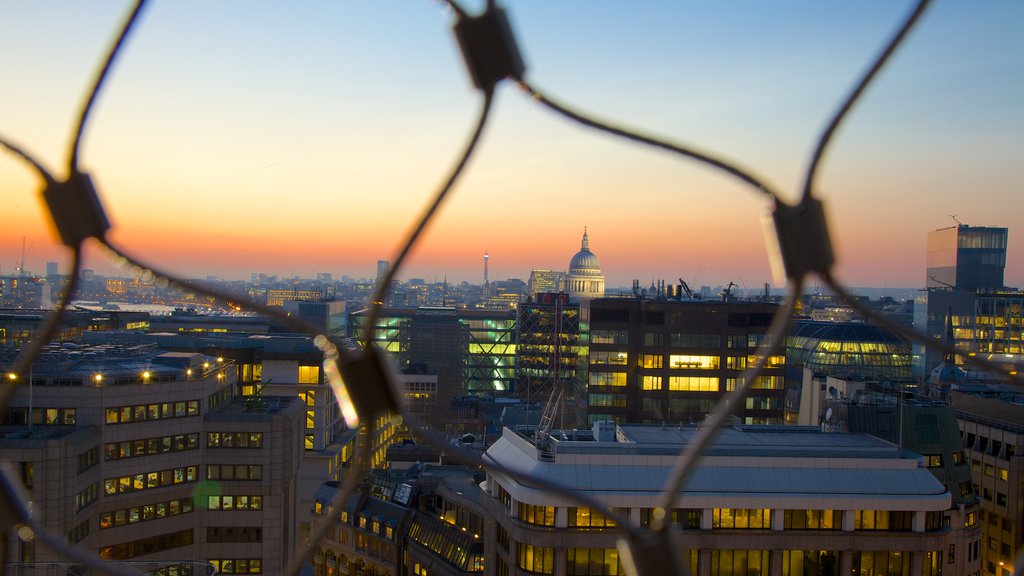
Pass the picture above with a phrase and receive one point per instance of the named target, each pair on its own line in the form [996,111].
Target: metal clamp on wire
[76,209]
[488,47]
[801,240]
[370,380]
[647,553]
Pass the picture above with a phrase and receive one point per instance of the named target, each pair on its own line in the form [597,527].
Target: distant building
[673,361]
[51,269]
[966,292]
[328,316]
[24,292]
[762,500]
[548,281]
[584,279]
[966,257]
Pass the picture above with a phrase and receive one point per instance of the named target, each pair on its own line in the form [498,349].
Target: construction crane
[686,289]
[727,293]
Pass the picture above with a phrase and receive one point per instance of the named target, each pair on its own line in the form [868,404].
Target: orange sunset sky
[247,137]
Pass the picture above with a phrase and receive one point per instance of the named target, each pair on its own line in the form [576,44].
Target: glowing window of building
[651,382]
[693,384]
[309,374]
[607,378]
[694,362]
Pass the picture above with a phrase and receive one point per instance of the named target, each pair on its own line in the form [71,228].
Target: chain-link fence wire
[361,377]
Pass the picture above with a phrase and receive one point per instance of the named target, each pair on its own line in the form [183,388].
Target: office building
[966,257]
[548,352]
[142,455]
[966,293]
[672,361]
[470,351]
[991,421]
[546,281]
[762,500]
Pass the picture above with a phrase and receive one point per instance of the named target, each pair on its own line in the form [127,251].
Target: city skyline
[295,140]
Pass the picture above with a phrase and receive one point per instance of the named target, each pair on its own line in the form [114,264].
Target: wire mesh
[490,62]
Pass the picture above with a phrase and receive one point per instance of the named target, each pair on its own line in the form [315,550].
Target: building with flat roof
[659,360]
[991,421]
[138,454]
[762,500]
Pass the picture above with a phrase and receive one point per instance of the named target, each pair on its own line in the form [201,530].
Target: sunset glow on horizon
[240,138]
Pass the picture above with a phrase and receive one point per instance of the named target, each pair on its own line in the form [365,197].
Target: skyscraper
[965,290]
[966,257]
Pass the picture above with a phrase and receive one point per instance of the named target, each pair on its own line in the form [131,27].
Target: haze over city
[237,138]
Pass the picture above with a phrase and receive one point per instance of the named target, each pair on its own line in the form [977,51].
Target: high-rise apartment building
[672,361]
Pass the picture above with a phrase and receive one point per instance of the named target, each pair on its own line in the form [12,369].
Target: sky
[294,138]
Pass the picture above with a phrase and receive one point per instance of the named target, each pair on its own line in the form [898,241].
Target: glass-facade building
[470,351]
[846,349]
[548,350]
[967,305]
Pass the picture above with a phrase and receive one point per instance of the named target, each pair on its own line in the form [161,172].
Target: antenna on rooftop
[958,223]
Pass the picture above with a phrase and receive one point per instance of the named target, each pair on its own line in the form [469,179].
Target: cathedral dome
[584,261]
[584,279]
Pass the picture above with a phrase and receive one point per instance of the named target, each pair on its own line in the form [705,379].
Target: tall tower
[486,258]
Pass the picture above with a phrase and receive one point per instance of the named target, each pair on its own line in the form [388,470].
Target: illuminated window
[692,362]
[309,374]
[539,515]
[651,382]
[693,384]
[607,378]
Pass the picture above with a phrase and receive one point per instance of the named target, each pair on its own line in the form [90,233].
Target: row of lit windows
[234,440]
[150,446]
[145,513]
[234,472]
[694,362]
[253,502]
[146,412]
[603,357]
[739,518]
[588,518]
[149,480]
[607,378]
[237,565]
